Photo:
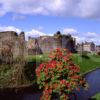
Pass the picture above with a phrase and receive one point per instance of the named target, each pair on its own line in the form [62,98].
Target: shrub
[98,53]
[85,54]
[59,75]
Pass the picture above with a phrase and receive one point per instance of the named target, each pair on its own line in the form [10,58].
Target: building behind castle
[97,48]
[86,46]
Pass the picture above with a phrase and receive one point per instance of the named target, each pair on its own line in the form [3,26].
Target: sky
[81,18]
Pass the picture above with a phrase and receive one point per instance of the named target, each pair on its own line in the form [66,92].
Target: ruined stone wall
[48,43]
[10,40]
[69,42]
[45,44]
[33,47]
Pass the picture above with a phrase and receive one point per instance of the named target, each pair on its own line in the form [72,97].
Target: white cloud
[10,28]
[78,8]
[70,31]
[91,35]
[34,33]
[89,8]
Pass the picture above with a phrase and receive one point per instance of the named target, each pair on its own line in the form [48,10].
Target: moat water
[93,79]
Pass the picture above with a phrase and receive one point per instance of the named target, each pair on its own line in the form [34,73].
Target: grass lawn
[86,64]
[37,58]
[96,97]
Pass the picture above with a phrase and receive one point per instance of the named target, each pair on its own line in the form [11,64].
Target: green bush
[98,53]
[96,97]
[5,75]
[85,54]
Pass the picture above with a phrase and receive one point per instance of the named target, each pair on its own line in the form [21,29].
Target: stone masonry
[44,44]
[12,44]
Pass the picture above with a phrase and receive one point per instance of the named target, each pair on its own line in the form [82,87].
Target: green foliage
[37,58]
[85,54]
[96,97]
[98,53]
[5,75]
[13,76]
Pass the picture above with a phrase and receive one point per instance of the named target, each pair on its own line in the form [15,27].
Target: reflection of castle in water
[45,44]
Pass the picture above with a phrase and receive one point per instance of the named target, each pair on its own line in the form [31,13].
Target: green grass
[37,58]
[86,64]
[96,97]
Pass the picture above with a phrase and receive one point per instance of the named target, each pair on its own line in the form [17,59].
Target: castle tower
[22,44]
[22,36]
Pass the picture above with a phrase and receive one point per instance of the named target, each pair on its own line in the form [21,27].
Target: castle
[14,45]
[44,44]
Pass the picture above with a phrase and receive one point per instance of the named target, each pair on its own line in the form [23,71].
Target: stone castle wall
[47,43]
[10,41]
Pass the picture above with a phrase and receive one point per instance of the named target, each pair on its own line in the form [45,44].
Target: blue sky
[81,18]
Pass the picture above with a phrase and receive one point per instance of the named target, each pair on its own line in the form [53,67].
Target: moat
[32,93]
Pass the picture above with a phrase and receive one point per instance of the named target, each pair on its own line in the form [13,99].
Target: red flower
[59,74]
[65,58]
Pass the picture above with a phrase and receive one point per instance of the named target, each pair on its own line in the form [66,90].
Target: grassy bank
[96,97]
[12,75]
[86,63]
